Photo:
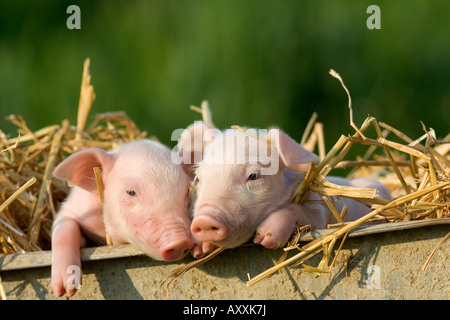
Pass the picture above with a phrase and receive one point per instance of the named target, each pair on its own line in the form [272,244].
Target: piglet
[145,203]
[245,182]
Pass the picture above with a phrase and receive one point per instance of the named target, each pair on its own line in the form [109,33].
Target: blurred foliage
[258,63]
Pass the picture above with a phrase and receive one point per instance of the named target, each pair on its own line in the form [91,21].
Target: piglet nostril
[207,228]
[196,230]
[177,250]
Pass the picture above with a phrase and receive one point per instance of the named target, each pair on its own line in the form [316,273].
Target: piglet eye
[131,193]
[254,176]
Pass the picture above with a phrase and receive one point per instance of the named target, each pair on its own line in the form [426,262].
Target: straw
[417,172]
[35,221]
[427,262]
[100,189]
[318,243]
[337,76]
[205,111]
[29,158]
[178,272]
[87,97]
[430,198]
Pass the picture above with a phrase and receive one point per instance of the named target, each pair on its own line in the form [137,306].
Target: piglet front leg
[66,263]
[276,229]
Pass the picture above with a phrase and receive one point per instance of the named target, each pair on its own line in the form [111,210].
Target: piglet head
[242,178]
[145,195]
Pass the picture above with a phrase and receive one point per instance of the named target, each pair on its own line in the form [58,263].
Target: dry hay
[417,175]
[416,172]
[28,193]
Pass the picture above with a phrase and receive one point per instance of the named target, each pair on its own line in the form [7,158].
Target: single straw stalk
[178,272]
[318,243]
[336,75]
[87,96]
[433,181]
[16,194]
[427,262]
[308,128]
[371,163]
[380,142]
[205,111]
[55,146]
[333,210]
[100,189]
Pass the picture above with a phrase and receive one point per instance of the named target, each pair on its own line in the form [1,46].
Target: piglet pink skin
[146,203]
[236,202]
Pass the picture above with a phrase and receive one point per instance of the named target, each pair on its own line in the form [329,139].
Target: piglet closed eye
[145,203]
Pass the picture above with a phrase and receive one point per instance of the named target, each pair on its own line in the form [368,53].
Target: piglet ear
[292,155]
[78,169]
[192,142]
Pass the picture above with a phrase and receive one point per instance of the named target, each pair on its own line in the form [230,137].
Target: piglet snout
[207,228]
[176,250]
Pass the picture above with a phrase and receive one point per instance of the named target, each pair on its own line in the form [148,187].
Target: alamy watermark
[230,147]
[374,279]
[74,20]
[374,20]
[74,280]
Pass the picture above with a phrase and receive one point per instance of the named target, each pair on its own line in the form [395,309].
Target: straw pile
[416,171]
[29,197]
[417,175]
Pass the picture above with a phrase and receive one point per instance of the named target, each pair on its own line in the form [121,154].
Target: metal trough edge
[44,258]
[367,229]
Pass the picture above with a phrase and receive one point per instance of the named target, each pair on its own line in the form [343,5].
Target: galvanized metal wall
[384,265]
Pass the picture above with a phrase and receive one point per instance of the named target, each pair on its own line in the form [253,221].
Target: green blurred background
[258,63]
